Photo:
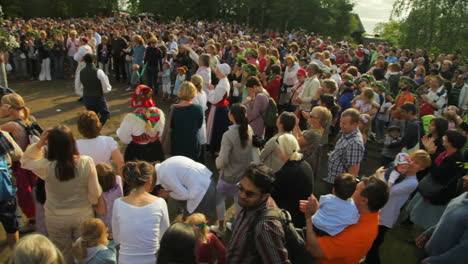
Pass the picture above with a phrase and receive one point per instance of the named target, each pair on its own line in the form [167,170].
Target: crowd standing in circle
[268,108]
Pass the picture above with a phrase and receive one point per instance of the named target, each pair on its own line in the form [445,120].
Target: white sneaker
[229,226]
[129,89]
[217,230]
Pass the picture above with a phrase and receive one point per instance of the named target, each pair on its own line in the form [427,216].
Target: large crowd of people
[267,109]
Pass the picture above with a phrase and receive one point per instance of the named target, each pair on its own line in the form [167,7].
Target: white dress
[139,230]
[201,99]
[99,148]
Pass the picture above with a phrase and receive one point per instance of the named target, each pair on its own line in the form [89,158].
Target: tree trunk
[3,74]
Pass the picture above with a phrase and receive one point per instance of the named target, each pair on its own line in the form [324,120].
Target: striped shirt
[349,150]
[268,234]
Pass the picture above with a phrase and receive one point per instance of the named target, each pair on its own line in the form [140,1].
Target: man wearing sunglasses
[268,235]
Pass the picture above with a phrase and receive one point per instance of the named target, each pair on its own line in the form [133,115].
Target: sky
[372,12]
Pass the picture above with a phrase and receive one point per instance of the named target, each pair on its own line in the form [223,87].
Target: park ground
[54,103]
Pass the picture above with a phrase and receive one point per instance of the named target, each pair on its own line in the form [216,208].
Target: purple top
[255,111]
[109,197]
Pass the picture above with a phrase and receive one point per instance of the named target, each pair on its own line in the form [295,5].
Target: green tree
[435,25]
[389,31]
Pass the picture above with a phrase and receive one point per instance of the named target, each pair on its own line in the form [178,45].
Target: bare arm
[353,170]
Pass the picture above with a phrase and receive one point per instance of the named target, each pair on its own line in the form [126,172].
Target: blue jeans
[128,70]
[58,65]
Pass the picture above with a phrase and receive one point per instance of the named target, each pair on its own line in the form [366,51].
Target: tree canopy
[434,25]
[330,17]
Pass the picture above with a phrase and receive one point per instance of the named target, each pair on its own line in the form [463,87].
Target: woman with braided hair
[143,128]
[139,219]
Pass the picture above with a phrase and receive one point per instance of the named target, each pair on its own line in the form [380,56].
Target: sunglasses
[247,193]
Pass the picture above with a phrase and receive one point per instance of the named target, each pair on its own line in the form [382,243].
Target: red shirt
[262,64]
[205,250]
[273,88]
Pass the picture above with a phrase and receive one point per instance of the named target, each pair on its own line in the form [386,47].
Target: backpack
[271,113]
[7,187]
[33,131]
[295,241]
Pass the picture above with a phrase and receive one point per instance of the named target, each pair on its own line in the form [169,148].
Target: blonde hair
[187,91]
[17,103]
[366,121]
[139,39]
[93,234]
[262,50]
[325,115]
[421,156]
[199,220]
[197,80]
[36,248]
[368,95]
[289,146]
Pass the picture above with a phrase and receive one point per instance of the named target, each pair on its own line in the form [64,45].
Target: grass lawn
[55,102]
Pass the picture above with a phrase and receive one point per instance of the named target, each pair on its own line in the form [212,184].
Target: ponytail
[26,115]
[79,250]
[239,112]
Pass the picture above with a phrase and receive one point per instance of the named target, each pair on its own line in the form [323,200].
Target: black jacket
[447,173]
[294,182]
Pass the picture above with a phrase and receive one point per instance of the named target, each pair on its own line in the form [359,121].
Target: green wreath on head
[272,59]
[380,85]
[251,52]
[250,69]
[239,58]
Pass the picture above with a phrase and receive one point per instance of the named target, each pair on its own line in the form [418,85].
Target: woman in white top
[204,69]
[139,219]
[143,128]
[78,56]
[200,99]
[101,148]
[186,180]
[71,185]
[218,120]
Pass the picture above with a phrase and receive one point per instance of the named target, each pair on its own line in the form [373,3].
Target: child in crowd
[451,114]
[391,145]
[398,171]
[111,185]
[383,116]
[92,247]
[337,210]
[166,81]
[208,243]
[365,126]
[135,78]
[365,102]
[179,79]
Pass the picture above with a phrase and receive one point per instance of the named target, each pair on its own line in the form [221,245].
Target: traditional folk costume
[143,128]
[218,120]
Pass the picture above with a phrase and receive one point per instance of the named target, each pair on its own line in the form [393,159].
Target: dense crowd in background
[268,109]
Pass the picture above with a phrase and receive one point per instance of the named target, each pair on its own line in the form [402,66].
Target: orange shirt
[404,97]
[352,244]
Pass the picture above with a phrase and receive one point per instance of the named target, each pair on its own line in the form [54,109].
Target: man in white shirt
[185,180]
[401,188]
[437,95]
[92,84]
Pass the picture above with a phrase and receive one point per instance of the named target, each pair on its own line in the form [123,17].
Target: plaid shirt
[349,150]
[268,235]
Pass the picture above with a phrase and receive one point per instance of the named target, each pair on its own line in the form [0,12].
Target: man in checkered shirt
[349,150]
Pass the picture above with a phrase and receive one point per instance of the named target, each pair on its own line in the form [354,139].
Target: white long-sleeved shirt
[187,180]
[105,84]
[134,126]
[399,193]
[290,74]
[439,97]
[82,50]
[203,71]
[222,88]
[463,98]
